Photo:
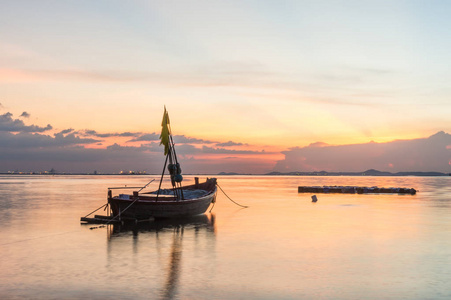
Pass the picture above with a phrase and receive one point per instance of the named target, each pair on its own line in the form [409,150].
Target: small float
[355,190]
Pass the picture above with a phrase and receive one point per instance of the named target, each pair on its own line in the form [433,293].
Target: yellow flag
[164,136]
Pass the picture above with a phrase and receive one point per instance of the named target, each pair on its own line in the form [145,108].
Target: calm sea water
[282,247]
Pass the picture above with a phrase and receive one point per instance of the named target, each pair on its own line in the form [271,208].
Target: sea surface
[283,246]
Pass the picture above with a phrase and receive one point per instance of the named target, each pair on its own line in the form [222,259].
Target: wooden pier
[355,190]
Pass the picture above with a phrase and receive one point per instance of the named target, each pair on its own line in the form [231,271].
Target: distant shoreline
[371,172]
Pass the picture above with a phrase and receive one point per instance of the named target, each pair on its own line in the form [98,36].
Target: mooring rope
[39,237]
[96,210]
[118,215]
[244,206]
[212,207]
[146,185]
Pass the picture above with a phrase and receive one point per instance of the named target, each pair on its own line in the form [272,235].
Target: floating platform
[98,220]
[355,190]
[111,220]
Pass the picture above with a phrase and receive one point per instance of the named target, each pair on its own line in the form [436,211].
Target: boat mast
[169,150]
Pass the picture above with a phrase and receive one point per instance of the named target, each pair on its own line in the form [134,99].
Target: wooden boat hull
[145,207]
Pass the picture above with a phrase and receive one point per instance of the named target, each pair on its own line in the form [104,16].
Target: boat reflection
[158,247]
[192,222]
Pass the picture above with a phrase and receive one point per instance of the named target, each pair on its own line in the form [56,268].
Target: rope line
[96,210]
[146,185]
[39,237]
[118,215]
[244,206]
[212,207]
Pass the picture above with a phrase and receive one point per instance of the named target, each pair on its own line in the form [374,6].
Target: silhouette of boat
[181,202]
[166,203]
[177,201]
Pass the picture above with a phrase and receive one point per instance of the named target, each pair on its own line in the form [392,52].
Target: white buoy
[314,199]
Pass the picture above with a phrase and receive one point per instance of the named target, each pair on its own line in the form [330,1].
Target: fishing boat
[176,201]
[184,201]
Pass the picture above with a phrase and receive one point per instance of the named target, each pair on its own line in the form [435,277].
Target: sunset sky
[250,86]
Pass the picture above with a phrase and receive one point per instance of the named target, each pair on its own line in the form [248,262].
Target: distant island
[370,172]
